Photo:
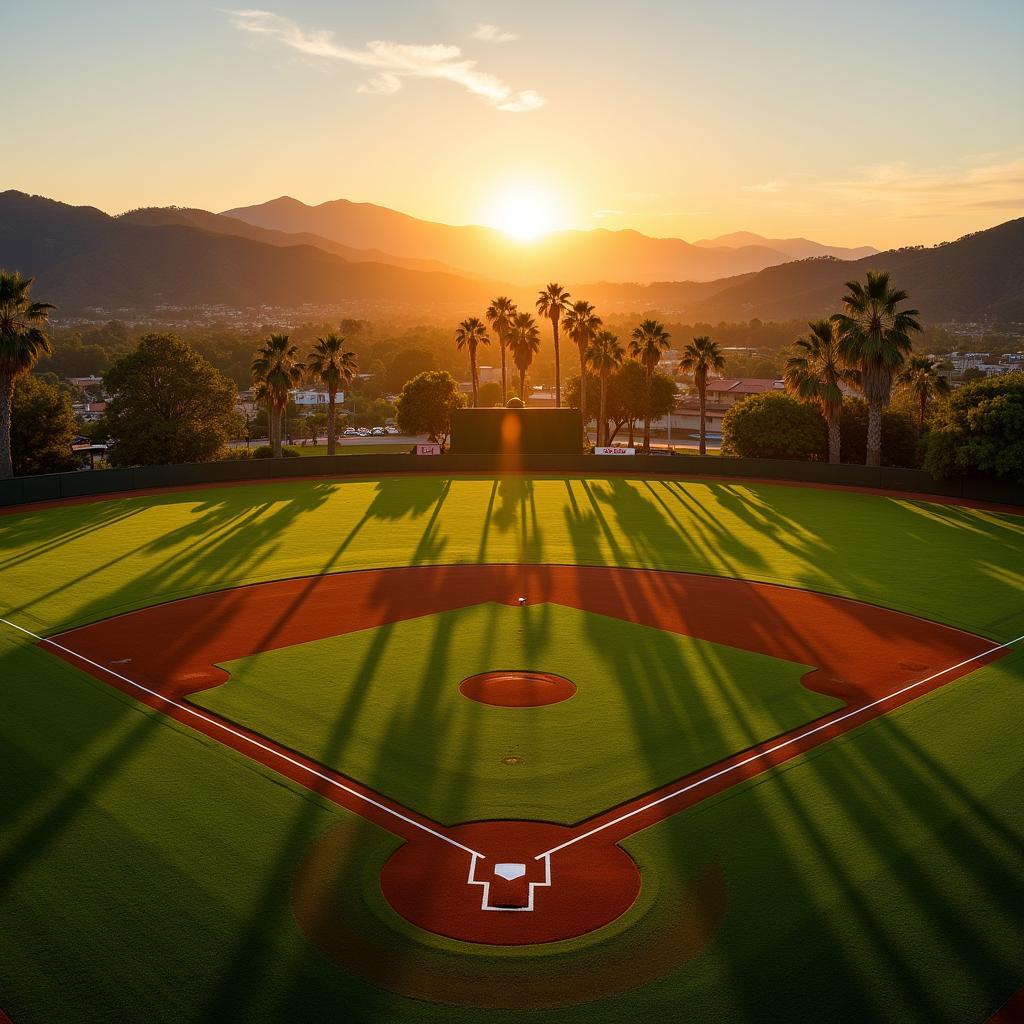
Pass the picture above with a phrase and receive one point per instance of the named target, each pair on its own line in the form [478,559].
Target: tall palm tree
[335,368]
[646,344]
[581,323]
[22,344]
[500,314]
[277,368]
[524,343]
[816,373]
[469,335]
[875,338]
[604,355]
[700,357]
[924,382]
[552,302]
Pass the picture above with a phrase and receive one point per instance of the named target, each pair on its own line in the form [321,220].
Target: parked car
[378,432]
[392,431]
[350,432]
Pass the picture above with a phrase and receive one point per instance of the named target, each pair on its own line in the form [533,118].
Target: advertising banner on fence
[614,451]
[428,449]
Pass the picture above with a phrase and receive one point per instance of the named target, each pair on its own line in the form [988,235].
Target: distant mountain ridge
[596,255]
[83,259]
[793,248]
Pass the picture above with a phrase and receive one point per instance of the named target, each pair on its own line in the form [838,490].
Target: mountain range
[597,255]
[366,259]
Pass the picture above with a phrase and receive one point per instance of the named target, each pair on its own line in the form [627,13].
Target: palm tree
[276,370]
[700,357]
[468,335]
[924,382]
[22,344]
[875,338]
[581,324]
[647,343]
[552,302]
[336,369]
[524,343]
[604,355]
[500,314]
[816,373]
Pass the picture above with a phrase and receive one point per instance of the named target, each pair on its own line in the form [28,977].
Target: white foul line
[771,750]
[196,713]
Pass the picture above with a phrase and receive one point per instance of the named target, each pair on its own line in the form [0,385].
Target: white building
[313,399]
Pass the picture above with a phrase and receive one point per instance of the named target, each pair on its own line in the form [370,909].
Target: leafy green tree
[922,379]
[426,404]
[774,426]
[604,355]
[552,302]
[875,339]
[524,343]
[42,428]
[700,357]
[169,405]
[490,394]
[470,335]
[582,323]
[335,367]
[647,343]
[22,344]
[900,434]
[500,315]
[406,364]
[979,431]
[816,373]
[276,371]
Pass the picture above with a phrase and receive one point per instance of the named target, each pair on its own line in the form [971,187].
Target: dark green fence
[24,490]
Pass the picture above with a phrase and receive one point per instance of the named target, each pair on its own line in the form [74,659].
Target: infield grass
[383,706]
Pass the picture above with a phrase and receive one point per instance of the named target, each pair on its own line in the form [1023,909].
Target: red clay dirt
[862,653]
[1011,1012]
[517,689]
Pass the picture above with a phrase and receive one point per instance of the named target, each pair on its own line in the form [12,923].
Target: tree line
[169,404]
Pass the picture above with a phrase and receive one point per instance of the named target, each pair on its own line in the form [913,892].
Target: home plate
[510,872]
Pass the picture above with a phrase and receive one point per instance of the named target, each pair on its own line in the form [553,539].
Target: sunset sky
[870,123]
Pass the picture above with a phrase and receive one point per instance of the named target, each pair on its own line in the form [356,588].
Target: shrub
[979,430]
[266,452]
[774,426]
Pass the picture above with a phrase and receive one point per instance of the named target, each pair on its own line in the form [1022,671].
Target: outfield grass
[145,872]
[383,706]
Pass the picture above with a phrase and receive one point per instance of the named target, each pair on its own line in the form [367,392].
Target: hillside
[83,258]
[223,225]
[598,255]
[976,276]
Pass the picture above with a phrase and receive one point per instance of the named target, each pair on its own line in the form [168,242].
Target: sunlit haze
[685,119]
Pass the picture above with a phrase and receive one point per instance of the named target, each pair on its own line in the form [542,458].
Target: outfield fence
[57,486]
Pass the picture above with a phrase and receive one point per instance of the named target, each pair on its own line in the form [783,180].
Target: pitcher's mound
[513,689]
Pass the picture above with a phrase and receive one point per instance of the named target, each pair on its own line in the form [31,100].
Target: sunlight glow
[523,210]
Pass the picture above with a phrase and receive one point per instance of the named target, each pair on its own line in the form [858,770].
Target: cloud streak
[391,62]
[493,34]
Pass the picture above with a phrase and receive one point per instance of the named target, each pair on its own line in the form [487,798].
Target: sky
[890,123]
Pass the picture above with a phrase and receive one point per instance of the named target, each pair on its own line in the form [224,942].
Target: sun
[524,211]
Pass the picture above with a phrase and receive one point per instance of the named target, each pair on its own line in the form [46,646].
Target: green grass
[145,872]
[383,706]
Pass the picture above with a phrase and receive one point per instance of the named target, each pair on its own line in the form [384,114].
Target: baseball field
[511,749]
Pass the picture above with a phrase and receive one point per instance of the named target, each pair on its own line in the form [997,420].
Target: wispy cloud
[390,61]
[493,34]
[997,185]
